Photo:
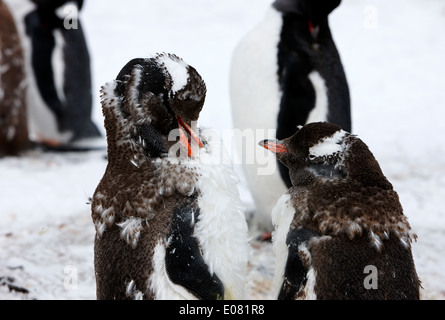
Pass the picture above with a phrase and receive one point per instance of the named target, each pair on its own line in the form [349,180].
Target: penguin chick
[13,84]
[340,220]
[169,221]
[287,72]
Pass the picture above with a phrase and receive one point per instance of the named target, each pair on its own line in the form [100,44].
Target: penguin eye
[327,159]
[317,160]
[327,166]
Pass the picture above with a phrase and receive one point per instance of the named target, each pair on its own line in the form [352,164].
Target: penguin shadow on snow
[287,72]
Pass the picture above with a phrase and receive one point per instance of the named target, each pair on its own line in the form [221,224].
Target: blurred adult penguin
[168,217]
[13,84]
[340,231]
[286,72]
[59,73]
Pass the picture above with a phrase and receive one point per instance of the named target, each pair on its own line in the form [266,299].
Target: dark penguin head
[45,14]
[347,191]
[324,151]
[313,10]
[56,3]
[311,14]
[149,99]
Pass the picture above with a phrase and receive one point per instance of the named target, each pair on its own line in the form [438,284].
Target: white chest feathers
[221,229]
[282,215]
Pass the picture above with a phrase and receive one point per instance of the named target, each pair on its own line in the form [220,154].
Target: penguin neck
[129,162]
[299,38]
[364,168]
[123,153]
[305,31]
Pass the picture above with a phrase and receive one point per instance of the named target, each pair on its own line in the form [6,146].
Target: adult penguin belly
[255,99]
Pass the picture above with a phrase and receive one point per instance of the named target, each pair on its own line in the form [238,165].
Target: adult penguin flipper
[184,263]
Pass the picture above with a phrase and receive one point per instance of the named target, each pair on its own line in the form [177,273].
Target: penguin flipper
[295,270]
[184,263]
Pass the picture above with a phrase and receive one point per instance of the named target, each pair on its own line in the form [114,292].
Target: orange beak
[275,146]
[186,135]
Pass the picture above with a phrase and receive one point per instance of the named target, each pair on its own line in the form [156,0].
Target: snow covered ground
[393,53]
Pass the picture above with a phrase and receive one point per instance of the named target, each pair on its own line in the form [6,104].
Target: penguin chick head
[324,151]
[150,98]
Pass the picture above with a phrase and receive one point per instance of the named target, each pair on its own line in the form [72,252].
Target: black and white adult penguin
[340,231]
[13,84]
[285,72]
[59,72]
[168,217]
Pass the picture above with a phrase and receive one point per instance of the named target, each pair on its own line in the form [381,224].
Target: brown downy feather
[13,118]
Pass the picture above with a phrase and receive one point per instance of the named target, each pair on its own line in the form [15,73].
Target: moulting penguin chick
[340,219]
[169,221]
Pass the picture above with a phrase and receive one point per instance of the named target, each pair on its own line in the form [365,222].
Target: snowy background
[393,53]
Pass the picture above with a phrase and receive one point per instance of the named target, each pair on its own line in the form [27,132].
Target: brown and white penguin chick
[340,231]
[13,117]
[169,221]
